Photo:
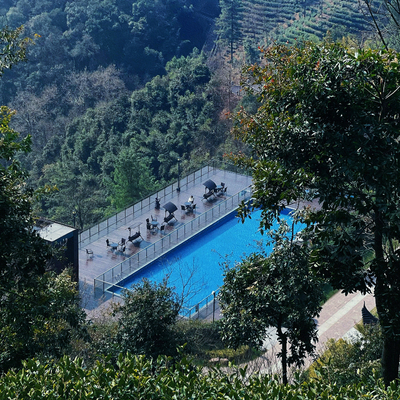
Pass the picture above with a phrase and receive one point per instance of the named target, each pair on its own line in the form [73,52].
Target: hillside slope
[264,21]
[287,20]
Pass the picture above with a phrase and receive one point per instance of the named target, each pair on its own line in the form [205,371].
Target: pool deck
[104,258]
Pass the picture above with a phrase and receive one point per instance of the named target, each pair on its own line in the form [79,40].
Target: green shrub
[345,362]
[202,341]
[199,337]
[238,356]
[141,379]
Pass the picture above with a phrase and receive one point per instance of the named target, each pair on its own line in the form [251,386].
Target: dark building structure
[65,238]
[368,318]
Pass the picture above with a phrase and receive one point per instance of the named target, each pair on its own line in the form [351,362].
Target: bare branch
[368,3]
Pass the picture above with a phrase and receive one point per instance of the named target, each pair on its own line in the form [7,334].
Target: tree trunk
[283,339]
[391,342]
[390,360]
[384,302]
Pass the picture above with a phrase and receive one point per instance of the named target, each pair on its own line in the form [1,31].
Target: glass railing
[204,309]
[145,205]
[116,274]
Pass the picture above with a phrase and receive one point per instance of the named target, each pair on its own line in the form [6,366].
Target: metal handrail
[119,219]
[202,308]
[117,273]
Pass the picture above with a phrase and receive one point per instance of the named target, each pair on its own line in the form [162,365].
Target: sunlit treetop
[12,47]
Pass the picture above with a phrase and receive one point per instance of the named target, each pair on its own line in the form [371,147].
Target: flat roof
[55,231]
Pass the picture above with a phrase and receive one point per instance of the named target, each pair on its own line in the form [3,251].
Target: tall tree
[132,178]
[16,269]
[278,290]
[230,31]
[229,25]
[16,220]
[328,120]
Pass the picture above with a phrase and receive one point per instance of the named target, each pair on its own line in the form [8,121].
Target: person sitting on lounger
[135,236]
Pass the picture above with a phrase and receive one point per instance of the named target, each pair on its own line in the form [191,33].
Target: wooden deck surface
[104,258]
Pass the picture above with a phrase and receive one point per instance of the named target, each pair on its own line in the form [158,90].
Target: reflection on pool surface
[199,260]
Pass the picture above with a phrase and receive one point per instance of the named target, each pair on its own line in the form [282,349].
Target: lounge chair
[207,195]
[135,237]
[169,218]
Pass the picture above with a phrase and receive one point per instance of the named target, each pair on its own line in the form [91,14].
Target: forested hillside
[138,37]
[128,147]
[115,91]
[82,97]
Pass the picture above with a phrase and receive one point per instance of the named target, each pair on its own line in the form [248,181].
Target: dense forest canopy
[114,86]
[138,37]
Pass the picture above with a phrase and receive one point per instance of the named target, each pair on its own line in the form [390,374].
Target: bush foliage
[137,378]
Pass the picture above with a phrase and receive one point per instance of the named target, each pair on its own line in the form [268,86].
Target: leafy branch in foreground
[139,378]
[12,47]
[328,122]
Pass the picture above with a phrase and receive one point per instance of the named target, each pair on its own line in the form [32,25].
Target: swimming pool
[195,267]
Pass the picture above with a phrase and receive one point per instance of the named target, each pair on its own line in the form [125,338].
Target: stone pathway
[336,320]
[340,314]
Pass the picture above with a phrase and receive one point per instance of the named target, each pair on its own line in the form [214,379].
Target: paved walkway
[340,314]
[336,320]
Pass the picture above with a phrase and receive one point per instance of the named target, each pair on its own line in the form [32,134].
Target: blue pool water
[195,267]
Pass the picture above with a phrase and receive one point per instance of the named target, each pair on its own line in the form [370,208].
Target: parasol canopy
[210,185]
[170,207]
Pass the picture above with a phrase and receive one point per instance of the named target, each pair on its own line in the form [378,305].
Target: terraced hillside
[266,20]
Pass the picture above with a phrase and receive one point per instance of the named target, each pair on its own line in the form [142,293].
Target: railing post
[213,293]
